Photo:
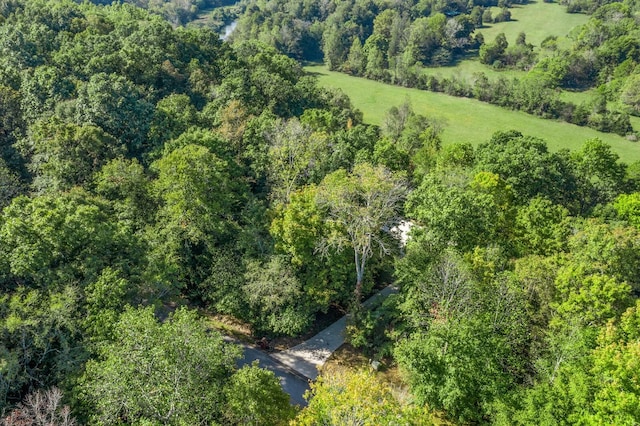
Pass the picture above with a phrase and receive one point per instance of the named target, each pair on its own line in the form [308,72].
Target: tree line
[177,12]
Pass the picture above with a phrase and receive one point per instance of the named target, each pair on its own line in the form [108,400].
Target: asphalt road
[293,384]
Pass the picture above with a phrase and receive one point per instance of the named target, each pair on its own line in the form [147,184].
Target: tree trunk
[357,292]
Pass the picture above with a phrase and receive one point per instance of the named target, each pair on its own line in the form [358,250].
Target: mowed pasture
[465,120]
[465,69]
[537,19]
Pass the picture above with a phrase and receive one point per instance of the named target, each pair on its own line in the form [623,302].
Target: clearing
[466,120]
[537,20]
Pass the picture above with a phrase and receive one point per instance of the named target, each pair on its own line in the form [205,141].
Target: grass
[466,120]
[465,69]
[537,20]
[577,97]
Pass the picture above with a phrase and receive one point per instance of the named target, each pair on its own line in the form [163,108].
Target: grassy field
[465,69]
[466,120]
[578,97]
[537,20]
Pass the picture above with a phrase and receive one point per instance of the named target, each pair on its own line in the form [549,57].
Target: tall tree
[362,207]
[255,398]
[65,155]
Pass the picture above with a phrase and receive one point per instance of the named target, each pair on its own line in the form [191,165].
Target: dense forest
[152,174]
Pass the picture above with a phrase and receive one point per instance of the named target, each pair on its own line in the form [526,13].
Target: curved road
[297,366]
[292,383]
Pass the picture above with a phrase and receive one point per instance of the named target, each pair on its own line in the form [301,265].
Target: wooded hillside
[151,176]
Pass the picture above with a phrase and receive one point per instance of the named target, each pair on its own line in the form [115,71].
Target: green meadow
[466,68]
[537,20]
[466,120]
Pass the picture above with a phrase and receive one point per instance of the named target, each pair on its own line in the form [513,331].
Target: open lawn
[466,120]
[537,20]
[578,97]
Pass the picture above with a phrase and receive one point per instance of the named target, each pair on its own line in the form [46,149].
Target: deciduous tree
[361,207]
[171,373]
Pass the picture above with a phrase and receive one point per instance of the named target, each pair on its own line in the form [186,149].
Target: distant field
[537,20]
[577,97]
[467,120]
[465,69]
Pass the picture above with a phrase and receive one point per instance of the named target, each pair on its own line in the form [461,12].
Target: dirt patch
[231,327]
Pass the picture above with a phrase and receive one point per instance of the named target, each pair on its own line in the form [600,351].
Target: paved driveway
[292,383]
[296,366]
[306,357]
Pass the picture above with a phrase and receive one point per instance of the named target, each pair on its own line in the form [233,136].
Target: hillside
[161,190]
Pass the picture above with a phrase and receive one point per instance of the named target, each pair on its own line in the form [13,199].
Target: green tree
[126,184]
[594,380]
[589,299]
[492,53]
[630,94]
[198,206]
[628,208]
[196,192]
[360,205]
[114,104]
[541,228]
[601,176]
[41,340]
[66,155]
[296,154]
[168,373]
[173,116]
[12,127]
[255,397]
[442,288]
[275,296]
[616,370]
[355,60]
[297,228]
[42,88]
[456,366]
[528,167]
[460,212]
[10,185]
[62,239]
[608,249]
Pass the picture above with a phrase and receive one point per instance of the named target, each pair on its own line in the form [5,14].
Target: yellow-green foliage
[357,397]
